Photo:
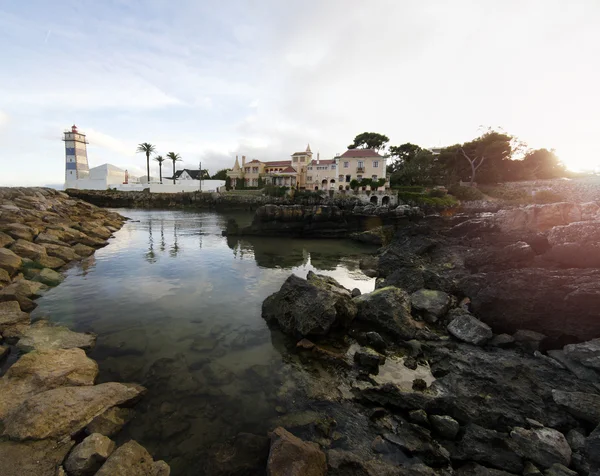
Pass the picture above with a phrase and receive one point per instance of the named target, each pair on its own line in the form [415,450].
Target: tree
[541,164]
[221,174]
[422,169]
[204,175]
[401,154]
[175,158]
[160,159]
[147,149]
[369,140]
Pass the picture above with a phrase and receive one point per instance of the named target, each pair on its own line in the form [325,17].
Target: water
[177,307]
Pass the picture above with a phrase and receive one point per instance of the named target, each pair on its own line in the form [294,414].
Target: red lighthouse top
[74,129]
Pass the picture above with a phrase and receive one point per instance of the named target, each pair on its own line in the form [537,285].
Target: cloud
[4,119]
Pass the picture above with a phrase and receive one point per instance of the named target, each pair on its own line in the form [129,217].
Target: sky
[263,78]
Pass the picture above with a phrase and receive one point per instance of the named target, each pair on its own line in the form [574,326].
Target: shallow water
[177,307]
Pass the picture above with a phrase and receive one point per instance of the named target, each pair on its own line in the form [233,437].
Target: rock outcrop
[290,456]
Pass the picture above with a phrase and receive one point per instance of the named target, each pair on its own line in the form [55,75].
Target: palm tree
[147,149]
[160,159]
[175,158]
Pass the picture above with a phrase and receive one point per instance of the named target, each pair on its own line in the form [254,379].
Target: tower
[76,162]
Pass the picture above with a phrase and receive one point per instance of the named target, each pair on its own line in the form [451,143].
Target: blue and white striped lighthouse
[76,162]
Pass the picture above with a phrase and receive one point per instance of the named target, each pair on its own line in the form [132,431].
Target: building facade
[359,164]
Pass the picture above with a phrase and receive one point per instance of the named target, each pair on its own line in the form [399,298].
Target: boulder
[581,371]
[83,250]
[592,447]
[111,421]
[419,417]
[445,426]
[388,309]
[4,277]
[33,458]
[502,340]
[132,459]
[528,340]
[51,262]
[560,470]
[290,456]
[13,321]
[9,261]
[585,406]
[64,411]
[474,469]
[469,329]
[19,231]
[375,341]
[543,446]
[369,359]
[416,441]
[5,240]
[309,306]
[26,249]
[23,291]
[49,277]
[45,335]
[576,440]
[87,457]
[578,232]
[432,305]
[47,238]
[575,255]
[585,353]
[65,253]
[39,371]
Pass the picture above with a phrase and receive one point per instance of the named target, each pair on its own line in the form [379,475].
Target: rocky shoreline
[54,419]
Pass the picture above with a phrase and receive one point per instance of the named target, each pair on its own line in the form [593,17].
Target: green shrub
[354,184]
[409,188]
[437,192]
[274,191]
[422,200]
[466,194]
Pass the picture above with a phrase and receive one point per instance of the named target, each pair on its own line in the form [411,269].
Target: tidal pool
[177,308]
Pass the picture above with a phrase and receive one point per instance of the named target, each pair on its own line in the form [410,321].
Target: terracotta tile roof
[322,162]
[278,163]
[360,153]
[288,170]
[254,161]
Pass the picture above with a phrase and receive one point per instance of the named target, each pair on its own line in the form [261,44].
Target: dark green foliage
[402,154]
[309,194]
[466,194]
[436,192]
[261,182]
[409,188]
[420,199]
[354,184]
[221,175]
[369,140]
[227,183]
[274,191]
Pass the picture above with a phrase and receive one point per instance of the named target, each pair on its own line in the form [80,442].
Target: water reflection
[177,308]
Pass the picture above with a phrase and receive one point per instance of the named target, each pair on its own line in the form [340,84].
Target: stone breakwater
[53,417]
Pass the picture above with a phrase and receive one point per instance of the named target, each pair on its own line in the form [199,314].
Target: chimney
[318,157]
[243,160]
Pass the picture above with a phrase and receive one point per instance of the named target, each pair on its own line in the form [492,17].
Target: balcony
[360,170]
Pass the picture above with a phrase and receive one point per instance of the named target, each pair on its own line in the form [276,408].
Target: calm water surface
[177,307]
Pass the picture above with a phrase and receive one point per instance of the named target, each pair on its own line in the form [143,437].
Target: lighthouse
[76,162]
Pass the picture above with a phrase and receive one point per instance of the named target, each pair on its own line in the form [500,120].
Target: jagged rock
[582,372]
[586,353]
[576,440]
[131,459]
[488,447]
[83,250]
[23,291]
[65,253]
[111,421]
[39,371]
[581,405]
[49,277]
[63,411]
[32,458]
[309,306]
[290,456]
[26,249]
[9,261]
[470,329]
[4,277]
[474,469]
[502,340]
[543,446]
[416,441]
[87,457]
[44,335]
[369,359]
[47,238]
[13,321]
[419,417]
[5,240]
[592,447]
[560,470]
[161,468]
[445,426]
[388,309]
[531,469]
[244,455]
[430,304]
[528,340]
[50,262]
[19,231]
[375,341]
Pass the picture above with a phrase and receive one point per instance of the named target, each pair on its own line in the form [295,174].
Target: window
[254,170]
[375,163]
[302,159]
[361,164]
[374,177]
[346,165]
[341,178]
[309,168]
[359,177]
[348,178]
[295,159]
[332,166]
[247,170]
[309,178]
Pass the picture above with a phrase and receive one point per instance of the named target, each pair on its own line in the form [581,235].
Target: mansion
[304,172]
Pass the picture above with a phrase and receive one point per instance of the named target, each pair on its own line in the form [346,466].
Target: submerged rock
[244,455]
[311,306]
[132,459]
[111,421]
[32,458]
[44,335]
[87,457]
[49,277]
[290,456]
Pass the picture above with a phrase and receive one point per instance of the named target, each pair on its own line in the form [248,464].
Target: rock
[585,406]
[560,470]
[64,411]
[111,421]
[356,292]
[309,306]
[592,447]
[47,238]
[65,253]
[531,469]
[585,353]
[419,384]
[582,372]
[245,454]
[369,359]
[49,277]
[416,441]
[474,469]
[576,440]
[83,250]
[488,447]
[9,261]
[4,277]
[50,262]
[419,417]
[130,459]
[87,457]
[161,468]
[388,309]
[528,340]
[432,305]
[470,329]
[32,458]
[23,291]
[19,231]
[40,371]
[305,344]
[375,341]
[4,351]
[5,240]
[13,321]
[290,456]
[45,335]
[502,340]
[26,249]
[543,446]
[445,426]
